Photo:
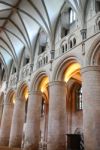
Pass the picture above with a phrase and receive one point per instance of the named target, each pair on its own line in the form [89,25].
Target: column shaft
[6,124]
[57,116]
[91,111]
[1,112]
[17,123]
[32,130]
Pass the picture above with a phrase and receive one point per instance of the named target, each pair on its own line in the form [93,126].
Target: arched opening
[72,15]
[2,73]
[13,70]
[74,41]
[1,105]
[96,56]
[13,98]
[8,109]
[46,59]
[99,25]
[74,105]
[25,95]
[93,57]
[97,6]
[62,48]
[43,87]
[64,32]
[26,61]
[73,71]
[71,45]
[66,47]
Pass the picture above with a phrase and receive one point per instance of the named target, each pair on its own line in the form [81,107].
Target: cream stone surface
[5,127]
[17,123]
[91,111]
[32,129]
[57,116]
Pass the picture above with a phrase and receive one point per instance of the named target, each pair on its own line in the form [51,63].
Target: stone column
[1,112]
[17,123]
[57,123]
[32,130]
[6,124]
[91,107]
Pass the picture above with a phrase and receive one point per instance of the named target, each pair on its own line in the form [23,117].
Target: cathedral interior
[49,74]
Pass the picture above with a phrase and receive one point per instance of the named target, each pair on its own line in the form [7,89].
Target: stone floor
[6,148]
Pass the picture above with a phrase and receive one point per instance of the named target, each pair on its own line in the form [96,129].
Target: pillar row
[57,116]
[91,104]
[6,124]
[17,123]
[32,129]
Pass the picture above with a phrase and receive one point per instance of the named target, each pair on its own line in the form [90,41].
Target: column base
[31,147]
[53,146]
[4,141]
[16,142]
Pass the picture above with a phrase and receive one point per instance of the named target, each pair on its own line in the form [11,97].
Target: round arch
[37,79]
[10,97]
[62,65]
[39,83]
[23,90]
[93,56]
[1,98]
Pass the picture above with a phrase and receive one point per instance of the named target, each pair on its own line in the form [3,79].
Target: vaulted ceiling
[21,20]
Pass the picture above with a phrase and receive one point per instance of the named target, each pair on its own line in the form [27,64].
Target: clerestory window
[42,49]
[72,15]
[97,5]
[64,32]
[99,25]
[14,70]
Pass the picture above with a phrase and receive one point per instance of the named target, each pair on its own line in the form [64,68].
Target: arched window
[70,44]
[2,73]
[42,107]
[74,42]
[64,32]
[41,63]
[26,61]
[14,70]
[62,48]
[97,6]
[99,25]
[42,41]
[26,107]
[79,102]
[66,47]
[42,49]
[72,15]
[46,59]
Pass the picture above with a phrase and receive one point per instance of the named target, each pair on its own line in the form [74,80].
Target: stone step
[7,148]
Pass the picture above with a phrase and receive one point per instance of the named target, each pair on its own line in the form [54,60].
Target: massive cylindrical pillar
[6,124]
[57,116]
[17,123]
[91,110]
[32,130]
[1,111]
